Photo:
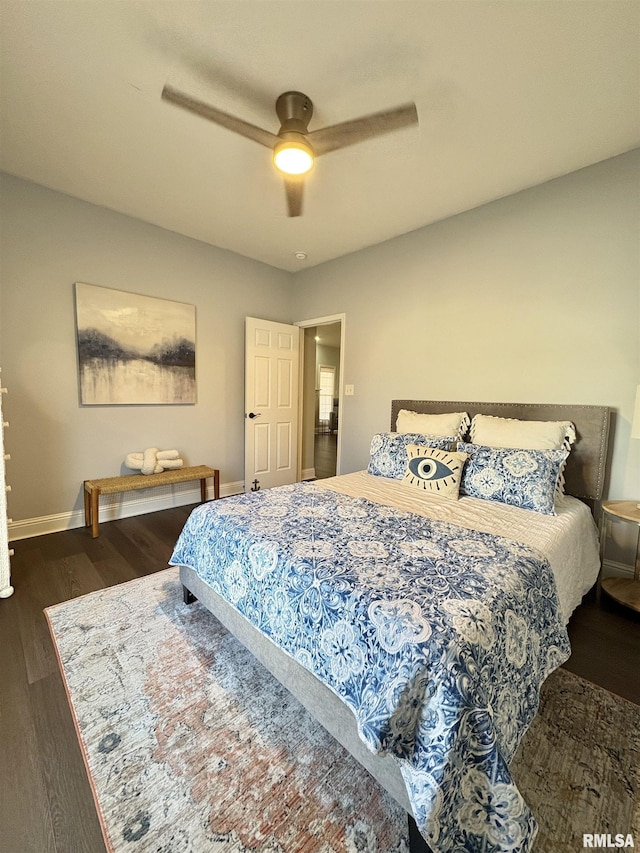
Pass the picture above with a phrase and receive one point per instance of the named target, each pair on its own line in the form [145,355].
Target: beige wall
[535,297]
[50,241]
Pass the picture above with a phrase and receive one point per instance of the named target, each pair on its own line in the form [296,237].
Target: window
[327,391]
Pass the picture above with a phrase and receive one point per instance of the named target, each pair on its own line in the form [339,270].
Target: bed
[417,629]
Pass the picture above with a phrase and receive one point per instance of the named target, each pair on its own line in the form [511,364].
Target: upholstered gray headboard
[586,467]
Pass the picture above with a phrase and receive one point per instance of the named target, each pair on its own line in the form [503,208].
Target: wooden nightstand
[624,590]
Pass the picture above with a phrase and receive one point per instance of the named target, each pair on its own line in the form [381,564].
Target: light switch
[348,391]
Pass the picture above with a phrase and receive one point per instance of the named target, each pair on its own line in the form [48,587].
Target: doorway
[321,383]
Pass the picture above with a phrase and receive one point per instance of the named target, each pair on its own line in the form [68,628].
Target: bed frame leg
[417,844]
[187,596]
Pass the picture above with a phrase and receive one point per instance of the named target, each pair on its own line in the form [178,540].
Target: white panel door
[272,352]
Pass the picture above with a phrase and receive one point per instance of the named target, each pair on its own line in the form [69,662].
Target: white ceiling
[509,94]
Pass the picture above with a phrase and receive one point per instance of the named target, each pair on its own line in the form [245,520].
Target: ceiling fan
[294,146]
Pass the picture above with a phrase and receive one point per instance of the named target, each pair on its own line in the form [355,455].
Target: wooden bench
[131,482]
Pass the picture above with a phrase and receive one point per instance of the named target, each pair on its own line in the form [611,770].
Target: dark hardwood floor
[605,645]
[325,455]
[45,802]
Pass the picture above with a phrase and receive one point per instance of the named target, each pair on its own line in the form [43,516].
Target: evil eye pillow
[519,477]
[437,472]
[388,455]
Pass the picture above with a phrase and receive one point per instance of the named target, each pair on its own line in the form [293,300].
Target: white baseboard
[610,567]
[113,507]
[308,473]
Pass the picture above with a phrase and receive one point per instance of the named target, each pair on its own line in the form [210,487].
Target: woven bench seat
[131,482]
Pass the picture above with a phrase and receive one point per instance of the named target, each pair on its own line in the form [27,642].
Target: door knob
[254,414]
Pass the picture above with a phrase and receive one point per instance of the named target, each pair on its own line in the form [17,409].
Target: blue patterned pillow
[388,457]
[524,478]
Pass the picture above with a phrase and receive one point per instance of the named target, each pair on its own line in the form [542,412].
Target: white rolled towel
[167,454]
[149,461]
[171,464]
[153,461]
[133,460]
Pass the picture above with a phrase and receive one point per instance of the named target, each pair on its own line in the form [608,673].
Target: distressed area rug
[192,747]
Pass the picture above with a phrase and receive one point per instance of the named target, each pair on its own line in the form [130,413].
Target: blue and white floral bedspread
[437,637]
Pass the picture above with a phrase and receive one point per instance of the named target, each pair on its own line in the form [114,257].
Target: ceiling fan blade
[351,132]
[237,125]
[294,185]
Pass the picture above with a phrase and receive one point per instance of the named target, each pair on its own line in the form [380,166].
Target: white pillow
[451,423]
[491,431]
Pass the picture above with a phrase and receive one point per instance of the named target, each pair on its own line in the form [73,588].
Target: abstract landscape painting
[134,349]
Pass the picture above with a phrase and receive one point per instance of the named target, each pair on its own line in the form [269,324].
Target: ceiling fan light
[293,157]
